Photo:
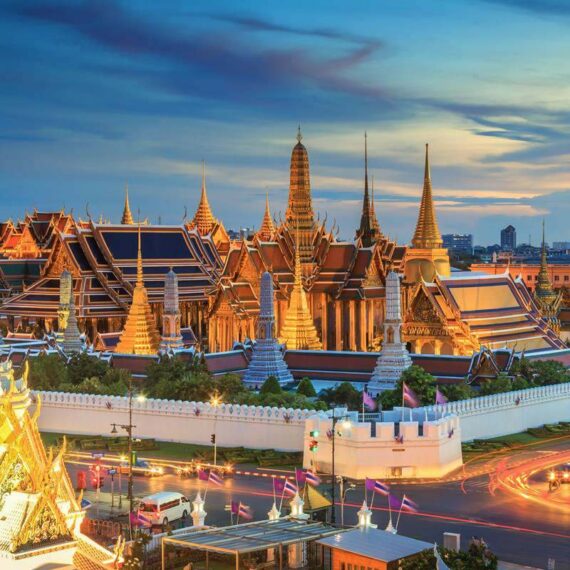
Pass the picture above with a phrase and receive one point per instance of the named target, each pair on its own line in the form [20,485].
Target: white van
[162,508]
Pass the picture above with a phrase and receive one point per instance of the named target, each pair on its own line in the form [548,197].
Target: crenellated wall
[510,412]
[255,427]
[422,448]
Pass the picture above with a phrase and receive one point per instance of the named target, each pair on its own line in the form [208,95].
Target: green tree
[306,388]
[548,372]
[421,382]
[455,392]
[47,372]
[82,366]
[229,387]
[498,385]
[344,394]
[271,386]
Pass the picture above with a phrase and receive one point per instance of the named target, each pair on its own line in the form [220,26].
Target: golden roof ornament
[203,219]
[298,331]
[140,335]
[427,235]
[127,218]
[267,228]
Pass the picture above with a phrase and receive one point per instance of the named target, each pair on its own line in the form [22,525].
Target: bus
[164,507]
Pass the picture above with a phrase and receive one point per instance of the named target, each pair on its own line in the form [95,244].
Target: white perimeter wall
[260,427]
[511,412]
[255,427]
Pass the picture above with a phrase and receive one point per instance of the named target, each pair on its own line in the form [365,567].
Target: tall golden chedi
[39,513]
[427,256]
[140,335]
[267,228]
[369,230]
[298,331]
[548,301]
[127,218]
[300,217]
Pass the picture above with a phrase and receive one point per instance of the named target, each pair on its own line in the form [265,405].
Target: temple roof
[127,217]
[203,219]
[102,260]
[427,234]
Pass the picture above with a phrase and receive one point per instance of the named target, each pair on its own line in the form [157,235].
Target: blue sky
[97,93]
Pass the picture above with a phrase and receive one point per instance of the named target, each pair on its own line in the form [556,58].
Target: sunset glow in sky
[99,92]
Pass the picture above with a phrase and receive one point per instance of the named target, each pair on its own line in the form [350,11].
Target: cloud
[553,7]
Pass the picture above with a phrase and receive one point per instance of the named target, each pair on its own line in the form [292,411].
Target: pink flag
[368,400]
[440,399]
[410,397]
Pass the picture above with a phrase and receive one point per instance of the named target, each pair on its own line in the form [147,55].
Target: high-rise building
[458,242]
[509,238]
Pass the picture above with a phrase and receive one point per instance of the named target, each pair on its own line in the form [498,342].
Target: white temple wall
[511,412]
[254,427]
[278,428]
[358,454]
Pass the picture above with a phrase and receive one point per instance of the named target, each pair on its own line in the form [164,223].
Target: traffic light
[314,434]
[313,445]
[213,438]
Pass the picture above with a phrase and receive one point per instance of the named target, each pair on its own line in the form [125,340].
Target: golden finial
[267,228]
[427,235]
[299,135]
[127,218]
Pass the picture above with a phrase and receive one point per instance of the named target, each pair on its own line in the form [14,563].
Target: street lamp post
[333,467]
[215,402]
[129,429]
[343,491]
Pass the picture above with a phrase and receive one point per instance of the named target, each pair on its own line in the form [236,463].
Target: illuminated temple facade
[343,282]
[329,294]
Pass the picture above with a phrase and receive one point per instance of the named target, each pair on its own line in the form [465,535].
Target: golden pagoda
[39,513]
[369,230]
[547,300]
[267,228]
[203,219]
[299,217]
[127,218]
[298,331]
[427,257]
[140,335]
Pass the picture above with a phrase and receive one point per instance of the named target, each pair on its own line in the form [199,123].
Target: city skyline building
[509,238]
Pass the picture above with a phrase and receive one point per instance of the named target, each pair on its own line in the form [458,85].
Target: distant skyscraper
[458,242]
[509,238]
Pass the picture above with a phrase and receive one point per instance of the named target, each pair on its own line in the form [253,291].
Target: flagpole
[273,480]
[389,508]
[282,495]
[372,501]
[403,389]
[400,512]
[207,485]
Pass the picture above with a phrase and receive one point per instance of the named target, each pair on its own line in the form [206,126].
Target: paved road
[516,530]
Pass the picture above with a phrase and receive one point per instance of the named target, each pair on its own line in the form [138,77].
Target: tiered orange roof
[267,228]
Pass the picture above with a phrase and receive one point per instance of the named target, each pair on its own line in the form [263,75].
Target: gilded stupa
[298,331]
[171,337]
[127,217]
[140,335]
[299,216]
[267,228]
[427,257]
[204,219]
[40,515]
[546,298]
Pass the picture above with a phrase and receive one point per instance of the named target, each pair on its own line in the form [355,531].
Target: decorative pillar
[324,321]
[338,325]
[351,325]
[370,321]
[297,553]
[198,512]
[437,347]
[362,325]
[365,517]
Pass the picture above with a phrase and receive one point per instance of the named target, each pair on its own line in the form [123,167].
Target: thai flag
[290,488]
[244,512]
[368,401]
[381,488]
[215,479]
[204,474]
[299,476]
[440,399]
[312,478]
[409,505]
[410,397]
[140,520]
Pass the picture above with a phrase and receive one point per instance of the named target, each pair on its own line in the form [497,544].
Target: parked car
[163,508]
[141,467]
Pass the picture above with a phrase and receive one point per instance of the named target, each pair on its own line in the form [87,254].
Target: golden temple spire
[267,228]
[204,220]
[299,216]
[298,331]
[367,231]
[140,335]
[543,288]
[127,218]
[427,234]
[373,217]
